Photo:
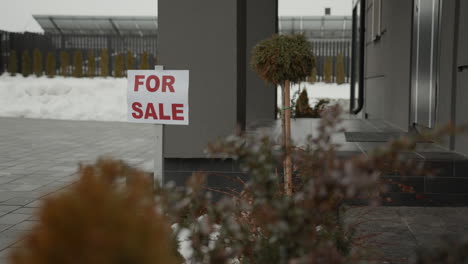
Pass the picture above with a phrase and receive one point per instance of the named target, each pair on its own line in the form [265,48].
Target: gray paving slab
[40,157]
[396,232]
[13,219]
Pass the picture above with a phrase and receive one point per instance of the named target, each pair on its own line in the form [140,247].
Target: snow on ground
[316,91]
[102,99]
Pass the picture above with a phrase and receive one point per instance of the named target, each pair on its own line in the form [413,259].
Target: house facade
[412,64]
[409,71]
[409,65]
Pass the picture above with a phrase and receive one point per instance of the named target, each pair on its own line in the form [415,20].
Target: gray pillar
[2,69]
[262,21]
[461,118]
[207,38]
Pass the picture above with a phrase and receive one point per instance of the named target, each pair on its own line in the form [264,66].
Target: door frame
[358,31]
[415,118]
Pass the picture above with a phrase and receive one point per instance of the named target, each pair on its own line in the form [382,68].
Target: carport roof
[101,25]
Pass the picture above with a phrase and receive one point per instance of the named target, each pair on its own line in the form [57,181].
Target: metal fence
[57,43]
[329,35]
[318,27]
[324,49]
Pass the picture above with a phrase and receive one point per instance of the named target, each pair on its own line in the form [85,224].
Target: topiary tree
[91,72]
[303,108]
[339,69]
[78,64]
[50,65]
[13,63]
[25,64]
[282,60]
[327,70]
[37,62]
[144,65]
[64,63]
[104,63]
[119,66]
[129,64]
[96,221]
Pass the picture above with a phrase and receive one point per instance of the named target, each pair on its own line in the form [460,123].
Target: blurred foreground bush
[261,223]
[99,221]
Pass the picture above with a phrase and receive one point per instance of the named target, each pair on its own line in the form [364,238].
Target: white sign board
[158,97]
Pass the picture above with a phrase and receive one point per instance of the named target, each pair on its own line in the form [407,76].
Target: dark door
[357,58]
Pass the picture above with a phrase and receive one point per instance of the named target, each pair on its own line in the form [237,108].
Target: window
[327,11]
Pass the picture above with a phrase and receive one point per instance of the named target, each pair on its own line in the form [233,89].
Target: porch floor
[301,128]
[449,185]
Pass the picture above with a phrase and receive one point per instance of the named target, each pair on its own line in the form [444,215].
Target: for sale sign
[158,97]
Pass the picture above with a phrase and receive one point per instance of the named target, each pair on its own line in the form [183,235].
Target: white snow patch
[185,245]
[318,91]
[337,94]
[184,238]
[101,99]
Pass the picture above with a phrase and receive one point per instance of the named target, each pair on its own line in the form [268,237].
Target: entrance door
[424,62]
[357,57]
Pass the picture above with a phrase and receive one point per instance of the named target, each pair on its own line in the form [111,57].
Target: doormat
[380,137]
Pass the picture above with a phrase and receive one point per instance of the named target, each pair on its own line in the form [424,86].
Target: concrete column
[206,38]
[461,118]
[262,21]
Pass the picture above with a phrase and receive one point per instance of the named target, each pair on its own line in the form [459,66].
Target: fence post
[158,175]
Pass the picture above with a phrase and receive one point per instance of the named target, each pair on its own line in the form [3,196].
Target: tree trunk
[283,111]
[287,140]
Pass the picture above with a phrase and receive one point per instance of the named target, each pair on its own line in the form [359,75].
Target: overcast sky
[16,15]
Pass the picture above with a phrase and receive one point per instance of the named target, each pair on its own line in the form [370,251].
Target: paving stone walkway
[40,157]
[395,233]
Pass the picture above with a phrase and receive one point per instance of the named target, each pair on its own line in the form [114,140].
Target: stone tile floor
[397,232]
[40,157]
